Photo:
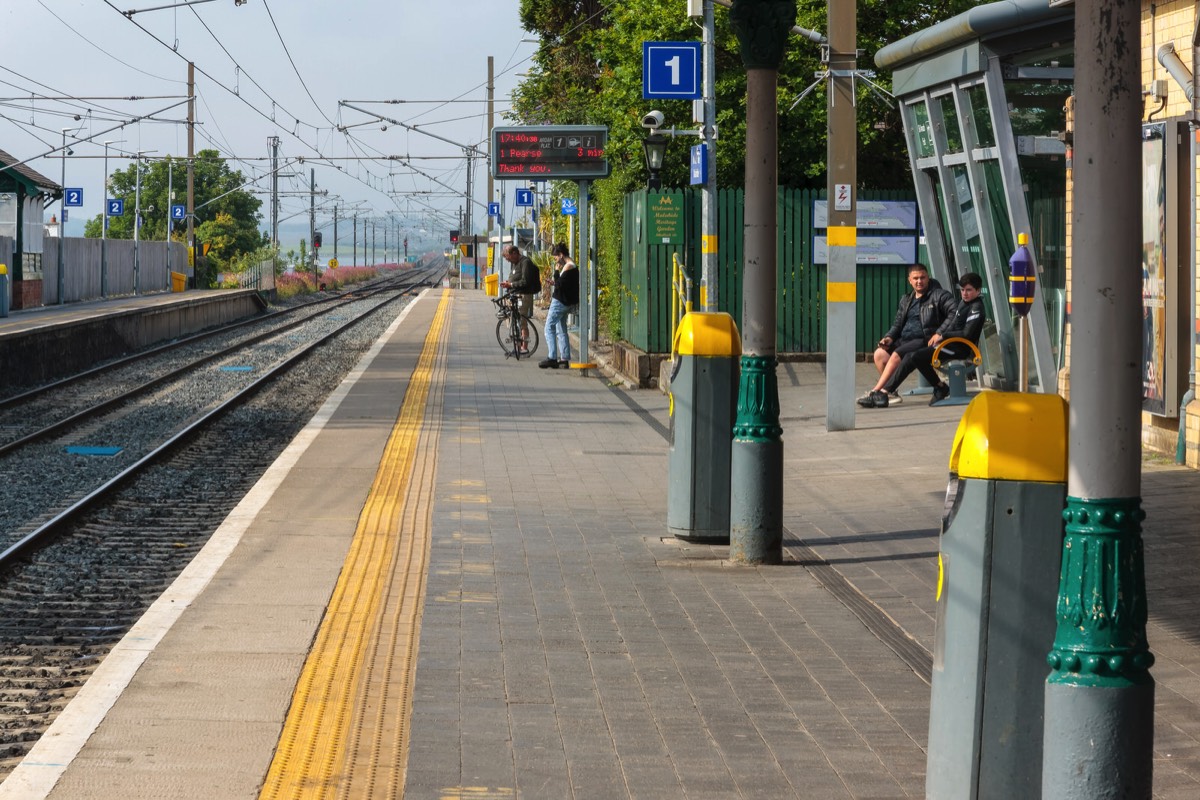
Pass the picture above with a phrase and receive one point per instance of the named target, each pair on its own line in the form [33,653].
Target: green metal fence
[800,315]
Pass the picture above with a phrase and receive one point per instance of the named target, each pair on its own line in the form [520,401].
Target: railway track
[73,580]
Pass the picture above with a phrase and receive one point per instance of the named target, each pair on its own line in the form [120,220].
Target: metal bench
[956,371]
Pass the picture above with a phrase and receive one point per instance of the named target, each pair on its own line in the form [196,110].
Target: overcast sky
[258,77]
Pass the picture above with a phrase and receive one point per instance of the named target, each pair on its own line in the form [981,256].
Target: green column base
[1099,714]
[756,467]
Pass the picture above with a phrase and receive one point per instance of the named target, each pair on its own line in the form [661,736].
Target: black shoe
[874,400]
[548,363]
[564,365]
[940,392]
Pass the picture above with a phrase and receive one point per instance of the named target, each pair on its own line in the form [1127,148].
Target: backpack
[535,284]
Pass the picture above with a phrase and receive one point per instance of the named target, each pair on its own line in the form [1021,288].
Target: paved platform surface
[569,647]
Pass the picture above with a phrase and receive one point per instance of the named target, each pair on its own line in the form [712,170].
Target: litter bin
[178,281]
[491,285]
[1000,550]
[704,394]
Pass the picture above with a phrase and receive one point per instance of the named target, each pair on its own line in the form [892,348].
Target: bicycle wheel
[530,341]
[505,338]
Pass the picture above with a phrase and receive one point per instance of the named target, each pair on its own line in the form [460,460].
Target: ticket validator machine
[1000,550]
[704,388]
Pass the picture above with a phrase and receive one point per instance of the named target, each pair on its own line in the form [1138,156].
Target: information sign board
[872,250]
[699,170]
[664,219]
[72,198]
[562,152]
[897,215]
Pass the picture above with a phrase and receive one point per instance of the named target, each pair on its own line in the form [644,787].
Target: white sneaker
[894,399]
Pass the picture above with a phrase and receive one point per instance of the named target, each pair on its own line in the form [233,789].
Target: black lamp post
[656,149]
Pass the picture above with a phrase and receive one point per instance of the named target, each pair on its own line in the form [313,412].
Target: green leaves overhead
[588,70]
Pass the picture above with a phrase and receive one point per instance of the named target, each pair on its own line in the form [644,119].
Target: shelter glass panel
[984,130]
[923,129]
[971,251]
[954,138]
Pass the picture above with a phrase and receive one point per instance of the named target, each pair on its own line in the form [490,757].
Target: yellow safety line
[377,766]
[313,746]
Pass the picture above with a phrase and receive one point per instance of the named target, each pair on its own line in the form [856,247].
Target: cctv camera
[653,120]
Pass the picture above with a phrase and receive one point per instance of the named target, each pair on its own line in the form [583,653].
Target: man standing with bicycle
[525,280]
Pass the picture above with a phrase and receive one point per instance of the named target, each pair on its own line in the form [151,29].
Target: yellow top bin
[178,281]
[491,285]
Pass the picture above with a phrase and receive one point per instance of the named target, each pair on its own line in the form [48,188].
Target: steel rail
[61,521]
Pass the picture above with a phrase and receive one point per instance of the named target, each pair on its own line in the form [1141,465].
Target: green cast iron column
[1099,710]
[756,464]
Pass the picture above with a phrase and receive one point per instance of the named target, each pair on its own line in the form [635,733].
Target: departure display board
[563,152]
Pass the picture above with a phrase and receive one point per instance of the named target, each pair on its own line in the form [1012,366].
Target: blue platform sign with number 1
[671,71]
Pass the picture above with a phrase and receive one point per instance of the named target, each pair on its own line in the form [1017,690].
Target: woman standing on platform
[563,301]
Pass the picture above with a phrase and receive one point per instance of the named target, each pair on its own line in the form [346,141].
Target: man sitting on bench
[966,323]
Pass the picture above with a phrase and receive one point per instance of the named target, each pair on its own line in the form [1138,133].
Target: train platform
[457,583]
[45,343]
[23,320]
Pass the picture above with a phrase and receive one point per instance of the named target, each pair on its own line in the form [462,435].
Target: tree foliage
[229,224]
[588,70]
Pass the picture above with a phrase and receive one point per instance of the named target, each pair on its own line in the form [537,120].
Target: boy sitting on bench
[966,323]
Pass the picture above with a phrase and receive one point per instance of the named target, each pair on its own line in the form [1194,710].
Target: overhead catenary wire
[361,152]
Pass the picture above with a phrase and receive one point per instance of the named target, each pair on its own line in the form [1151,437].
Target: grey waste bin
[1000,550]
[704,389]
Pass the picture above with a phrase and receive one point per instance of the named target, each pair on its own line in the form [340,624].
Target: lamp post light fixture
[137,221]
[62,222]
[104,224]
[655,146]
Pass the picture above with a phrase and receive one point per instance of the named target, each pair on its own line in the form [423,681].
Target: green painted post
[756,469]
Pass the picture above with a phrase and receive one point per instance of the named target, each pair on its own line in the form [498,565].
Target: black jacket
[934,312]
[967,322]
[566,287]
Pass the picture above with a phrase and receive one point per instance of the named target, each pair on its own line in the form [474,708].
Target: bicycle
[512,341]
